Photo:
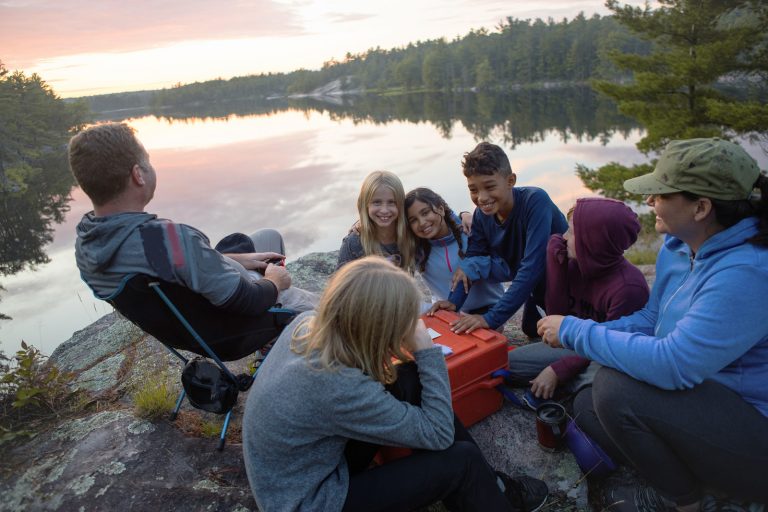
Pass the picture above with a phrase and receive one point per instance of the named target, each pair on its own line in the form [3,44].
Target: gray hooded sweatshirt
[109,251]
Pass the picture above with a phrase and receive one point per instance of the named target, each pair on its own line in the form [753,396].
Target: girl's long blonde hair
[405,240]
[367,310]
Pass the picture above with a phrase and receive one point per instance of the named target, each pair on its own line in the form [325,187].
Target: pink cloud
[39,29]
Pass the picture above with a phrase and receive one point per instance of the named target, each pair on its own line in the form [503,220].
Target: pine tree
[698,44]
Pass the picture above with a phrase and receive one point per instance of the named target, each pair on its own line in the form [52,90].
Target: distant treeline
[517,52]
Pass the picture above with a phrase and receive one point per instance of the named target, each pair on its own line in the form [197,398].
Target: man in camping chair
[121,248]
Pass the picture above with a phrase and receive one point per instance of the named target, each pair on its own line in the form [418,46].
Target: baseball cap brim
[647,184]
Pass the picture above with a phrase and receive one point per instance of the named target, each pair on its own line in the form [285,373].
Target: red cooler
[474,357]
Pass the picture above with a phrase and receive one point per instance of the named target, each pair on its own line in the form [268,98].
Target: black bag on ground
[208,387]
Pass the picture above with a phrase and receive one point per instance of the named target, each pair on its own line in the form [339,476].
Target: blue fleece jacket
[705,319]
[442,262]
[514,250]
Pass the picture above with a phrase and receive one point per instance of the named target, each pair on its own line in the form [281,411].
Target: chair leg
[223,436]
[175,412]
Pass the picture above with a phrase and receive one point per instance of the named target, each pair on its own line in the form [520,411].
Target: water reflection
[575,113]
[30,205]
[296,165]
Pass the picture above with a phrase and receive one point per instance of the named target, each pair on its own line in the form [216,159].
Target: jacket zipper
[691,258]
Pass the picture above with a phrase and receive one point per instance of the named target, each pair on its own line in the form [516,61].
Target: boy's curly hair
[486,158]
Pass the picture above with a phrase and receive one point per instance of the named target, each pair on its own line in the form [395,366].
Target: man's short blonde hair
[102,157]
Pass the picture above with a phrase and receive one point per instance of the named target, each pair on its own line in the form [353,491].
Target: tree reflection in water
[35,181]
[575,112]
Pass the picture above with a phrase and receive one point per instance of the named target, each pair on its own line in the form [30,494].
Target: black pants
[681,441]
[459,476]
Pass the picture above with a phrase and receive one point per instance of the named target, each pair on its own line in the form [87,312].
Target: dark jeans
[681,441]
[459,476]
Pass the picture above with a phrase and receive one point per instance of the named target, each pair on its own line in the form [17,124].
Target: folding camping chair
[145,301]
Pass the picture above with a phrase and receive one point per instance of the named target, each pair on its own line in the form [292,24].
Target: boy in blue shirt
[510,230]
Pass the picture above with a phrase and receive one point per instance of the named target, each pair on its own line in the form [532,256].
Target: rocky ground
[106,458]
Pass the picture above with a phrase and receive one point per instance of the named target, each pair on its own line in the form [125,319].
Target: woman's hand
[419,338]
[545,383]
[549,330]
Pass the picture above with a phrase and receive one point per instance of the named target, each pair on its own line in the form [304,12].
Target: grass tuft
[155,396]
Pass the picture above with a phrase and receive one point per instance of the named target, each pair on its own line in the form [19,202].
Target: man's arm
[477,242]
[252,298]
[257,260]
[204,270]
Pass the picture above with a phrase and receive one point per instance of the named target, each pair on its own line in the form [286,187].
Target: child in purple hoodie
[587,277]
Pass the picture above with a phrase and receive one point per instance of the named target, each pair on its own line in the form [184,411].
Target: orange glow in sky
[83,47]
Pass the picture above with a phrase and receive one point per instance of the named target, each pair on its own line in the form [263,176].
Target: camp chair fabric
[231,336]
[164,310]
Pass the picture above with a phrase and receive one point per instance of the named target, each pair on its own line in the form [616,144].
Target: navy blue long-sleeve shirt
[514,250]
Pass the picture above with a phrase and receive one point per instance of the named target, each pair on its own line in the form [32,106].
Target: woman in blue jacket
[685,397]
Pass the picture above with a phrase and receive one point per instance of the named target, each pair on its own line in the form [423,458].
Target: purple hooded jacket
[600,284]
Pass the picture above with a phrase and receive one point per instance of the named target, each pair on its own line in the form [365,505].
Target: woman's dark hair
[728,213]
[434,201]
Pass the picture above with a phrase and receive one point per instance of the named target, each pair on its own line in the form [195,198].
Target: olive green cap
[713,168]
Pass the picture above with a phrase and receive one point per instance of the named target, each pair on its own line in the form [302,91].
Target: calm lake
[297,166]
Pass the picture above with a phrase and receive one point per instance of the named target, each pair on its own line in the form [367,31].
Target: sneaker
[533,403]
[525,493]
[637,499]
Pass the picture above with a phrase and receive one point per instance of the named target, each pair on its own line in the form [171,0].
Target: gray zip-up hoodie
[109,250]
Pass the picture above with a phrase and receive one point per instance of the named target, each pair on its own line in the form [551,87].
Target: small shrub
[32,390]
[29,381]
[155,396]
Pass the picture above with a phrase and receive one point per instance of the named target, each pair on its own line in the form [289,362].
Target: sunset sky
[87,47]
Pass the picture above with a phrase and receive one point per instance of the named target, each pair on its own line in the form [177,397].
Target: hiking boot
[637,499]
[525,493]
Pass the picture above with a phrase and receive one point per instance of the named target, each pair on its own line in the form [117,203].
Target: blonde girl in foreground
[383,229]
[329,395]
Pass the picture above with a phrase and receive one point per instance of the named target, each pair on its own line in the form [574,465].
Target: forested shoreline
[517,53]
